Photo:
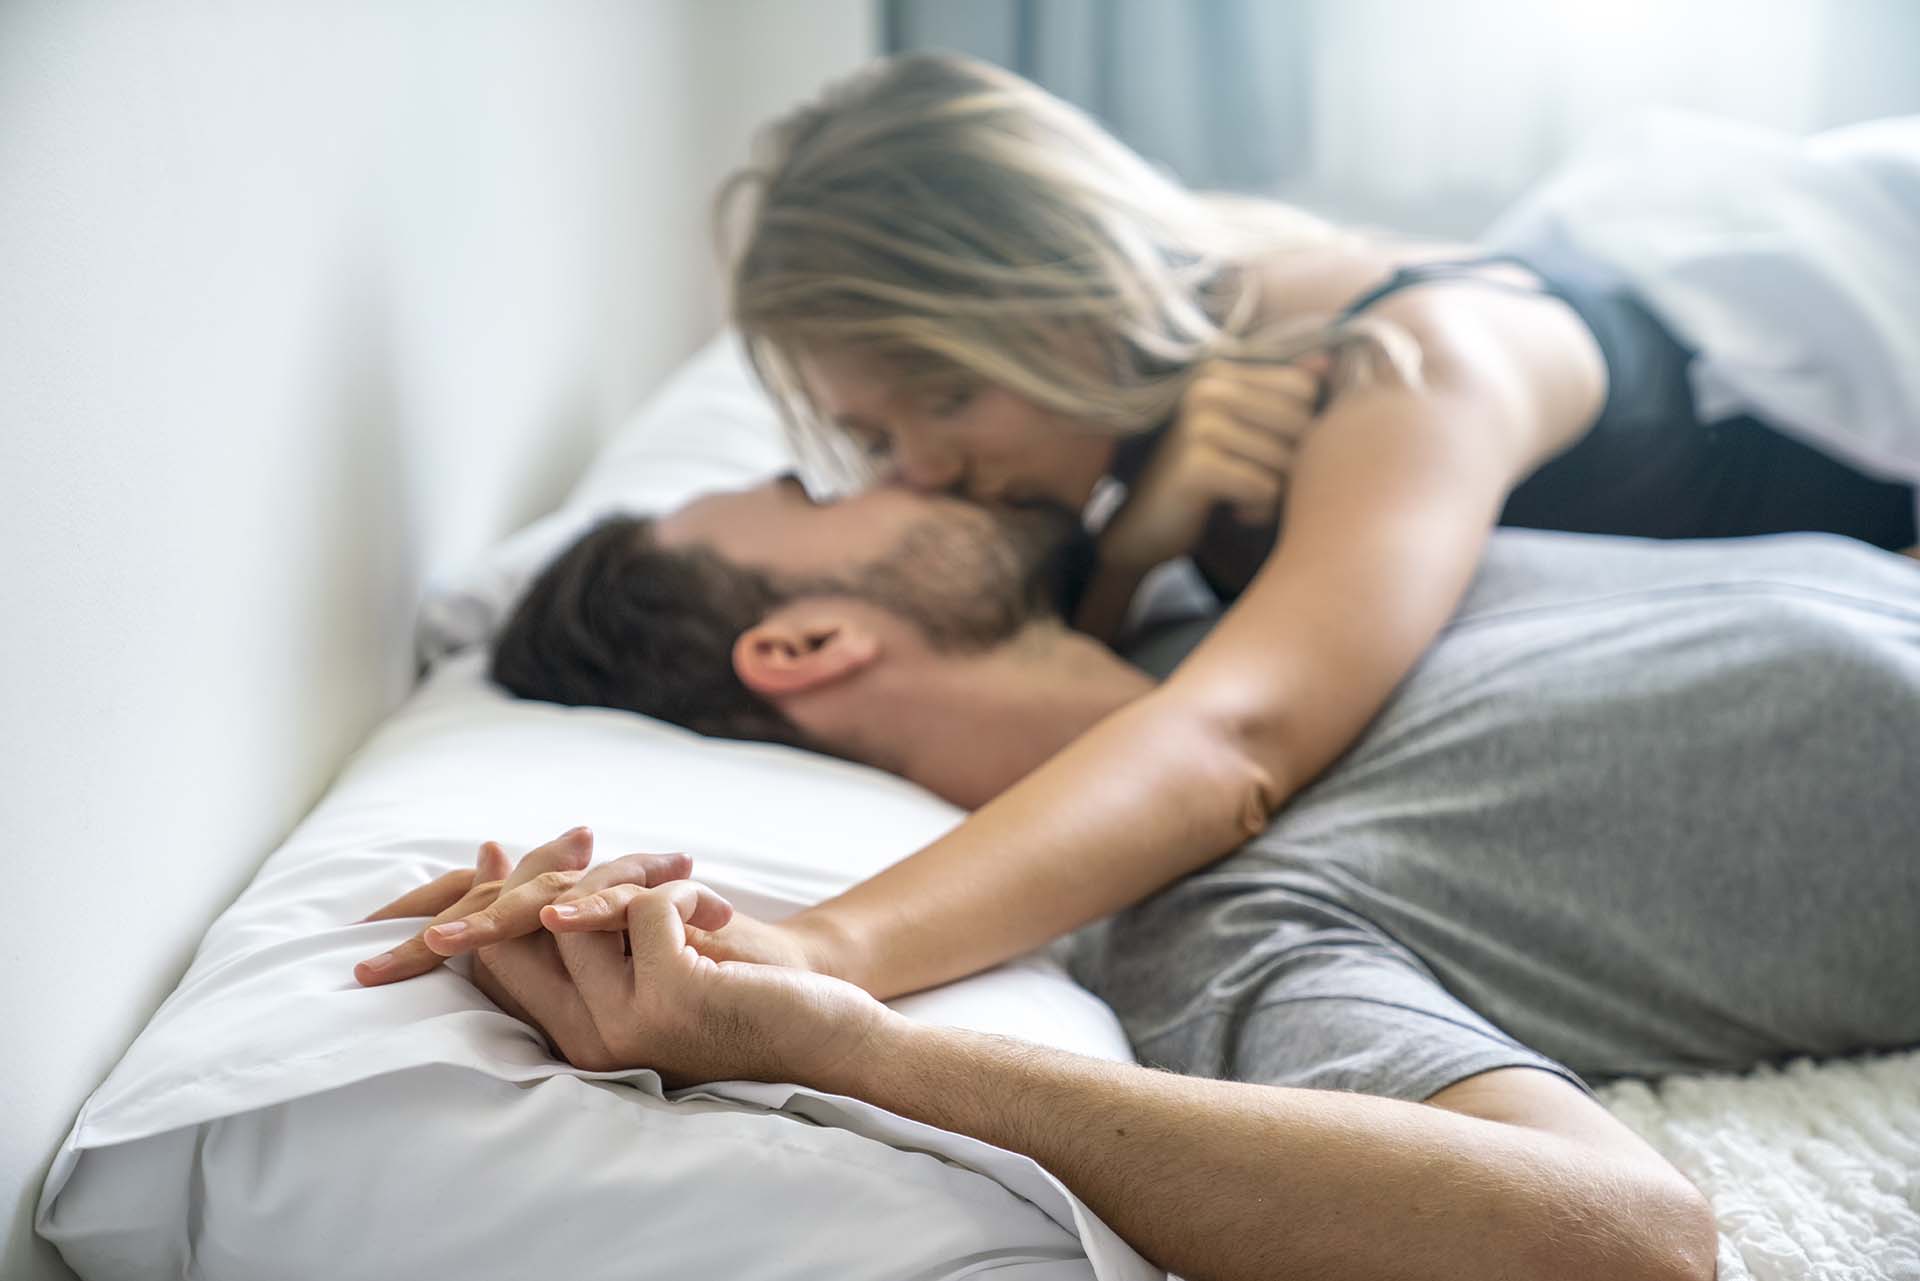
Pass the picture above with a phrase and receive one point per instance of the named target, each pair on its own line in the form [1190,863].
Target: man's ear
[801,648]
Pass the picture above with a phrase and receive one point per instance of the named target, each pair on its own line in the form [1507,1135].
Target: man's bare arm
[1511,1174]
[1215,1179]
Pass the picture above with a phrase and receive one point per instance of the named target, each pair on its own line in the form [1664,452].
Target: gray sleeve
[1343,1012]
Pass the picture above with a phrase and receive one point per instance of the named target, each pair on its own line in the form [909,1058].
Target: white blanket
[1813,1168]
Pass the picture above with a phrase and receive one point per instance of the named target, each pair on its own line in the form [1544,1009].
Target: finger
[1254,412]
[1247,440]
[512,914]
[493,864]
[530,982]
[597,965]
[517,911]
[413,957]
[632,869]
[569,852]
[656,931]
[1219,441]
[610,983]
[607,910]
[657,924]
[430,899]
[1279,392]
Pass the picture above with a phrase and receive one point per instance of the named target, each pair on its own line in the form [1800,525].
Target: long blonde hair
[961,224]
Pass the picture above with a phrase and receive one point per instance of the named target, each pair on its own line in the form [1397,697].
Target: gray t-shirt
[1643,808]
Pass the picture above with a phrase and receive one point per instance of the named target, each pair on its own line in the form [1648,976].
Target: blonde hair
[960,224]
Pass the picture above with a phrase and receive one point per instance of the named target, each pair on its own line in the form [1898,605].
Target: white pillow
[276,1120]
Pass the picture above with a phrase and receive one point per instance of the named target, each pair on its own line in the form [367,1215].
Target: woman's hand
[551,889]
[497,901]
[1233,442]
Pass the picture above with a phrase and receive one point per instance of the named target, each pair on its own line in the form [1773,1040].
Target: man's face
[970,576]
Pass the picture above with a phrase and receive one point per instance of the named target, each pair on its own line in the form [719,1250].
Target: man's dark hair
[620,621]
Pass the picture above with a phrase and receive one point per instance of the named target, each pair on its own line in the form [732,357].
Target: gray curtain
[1428,116]
[1218,92]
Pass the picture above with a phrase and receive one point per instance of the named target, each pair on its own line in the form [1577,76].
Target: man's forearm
[1222,1180]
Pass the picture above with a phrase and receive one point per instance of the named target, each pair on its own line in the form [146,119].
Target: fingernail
[450,929]
[565,909]
[378,963]
[578,831]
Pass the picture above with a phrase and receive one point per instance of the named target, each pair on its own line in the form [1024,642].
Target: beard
[972,578]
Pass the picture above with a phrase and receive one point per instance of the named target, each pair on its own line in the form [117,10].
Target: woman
[1024,306]
[951,280]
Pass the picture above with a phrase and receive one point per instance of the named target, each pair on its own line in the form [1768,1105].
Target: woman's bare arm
[1392,497]
[1392,500]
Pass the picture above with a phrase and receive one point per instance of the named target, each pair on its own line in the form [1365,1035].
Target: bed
[275,1120]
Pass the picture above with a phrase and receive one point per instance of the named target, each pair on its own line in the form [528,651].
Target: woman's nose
[928,466]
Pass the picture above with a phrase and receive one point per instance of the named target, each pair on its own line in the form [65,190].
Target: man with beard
[1643,809]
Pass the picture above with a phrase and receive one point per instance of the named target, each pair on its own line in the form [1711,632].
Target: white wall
[300,304]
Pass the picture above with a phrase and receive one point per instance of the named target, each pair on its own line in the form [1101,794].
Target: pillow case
[274,1119]
[271,1103]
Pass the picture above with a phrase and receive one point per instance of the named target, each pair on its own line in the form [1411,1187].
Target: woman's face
[975,440]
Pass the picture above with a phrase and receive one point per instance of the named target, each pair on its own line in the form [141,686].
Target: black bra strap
[1446,269]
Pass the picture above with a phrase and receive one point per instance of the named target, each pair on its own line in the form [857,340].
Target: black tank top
[1648,466]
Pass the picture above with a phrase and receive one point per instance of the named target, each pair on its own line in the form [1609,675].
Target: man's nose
[928,466]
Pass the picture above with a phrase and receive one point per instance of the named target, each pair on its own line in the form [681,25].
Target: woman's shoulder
[1498,330]
[1330,279]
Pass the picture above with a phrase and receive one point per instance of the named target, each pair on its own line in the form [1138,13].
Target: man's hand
[497,902]
[687,1016]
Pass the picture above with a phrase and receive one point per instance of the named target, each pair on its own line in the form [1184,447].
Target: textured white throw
[1813,1168]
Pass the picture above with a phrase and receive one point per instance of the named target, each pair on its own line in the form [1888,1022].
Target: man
[1638,811]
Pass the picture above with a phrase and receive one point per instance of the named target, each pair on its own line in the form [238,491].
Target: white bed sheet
[1813,1168]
